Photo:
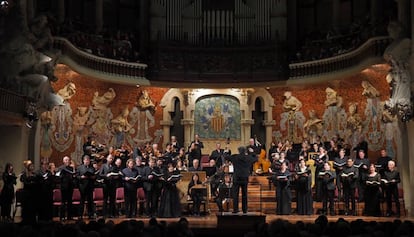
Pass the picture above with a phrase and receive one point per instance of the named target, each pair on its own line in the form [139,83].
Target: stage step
[262,198]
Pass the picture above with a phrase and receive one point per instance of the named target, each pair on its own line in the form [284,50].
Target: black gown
[283,194]
[372,195]
[304,191]
[7,194]
[170,205]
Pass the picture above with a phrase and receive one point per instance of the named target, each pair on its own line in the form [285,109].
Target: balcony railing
[99,65]
[12,102]
[114,70]
[373,48]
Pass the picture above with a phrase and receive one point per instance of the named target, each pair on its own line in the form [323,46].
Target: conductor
[242,163]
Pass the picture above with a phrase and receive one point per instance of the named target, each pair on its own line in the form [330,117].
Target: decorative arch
[268,103]
[189,97]
[167,104]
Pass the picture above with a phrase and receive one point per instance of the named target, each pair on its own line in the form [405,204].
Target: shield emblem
[217,123]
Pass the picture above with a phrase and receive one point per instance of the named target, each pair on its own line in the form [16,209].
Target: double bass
[263,163]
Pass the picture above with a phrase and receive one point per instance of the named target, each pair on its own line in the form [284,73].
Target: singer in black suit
[242,164]
[86,176]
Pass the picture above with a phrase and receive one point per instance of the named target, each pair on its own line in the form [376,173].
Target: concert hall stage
[228,220]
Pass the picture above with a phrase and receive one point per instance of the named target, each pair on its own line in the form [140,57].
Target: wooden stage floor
[210,221]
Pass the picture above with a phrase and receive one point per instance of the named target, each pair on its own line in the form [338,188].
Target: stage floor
[210,221]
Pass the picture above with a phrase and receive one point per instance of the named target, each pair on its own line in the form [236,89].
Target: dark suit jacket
[242,165]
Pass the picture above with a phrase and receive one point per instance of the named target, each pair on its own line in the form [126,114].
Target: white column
[98,15]
[269,129]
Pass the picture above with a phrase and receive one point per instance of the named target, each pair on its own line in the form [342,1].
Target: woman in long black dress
[170,205]
[30,197]
[281,180]
[372,192]
[303,188]
[7,193]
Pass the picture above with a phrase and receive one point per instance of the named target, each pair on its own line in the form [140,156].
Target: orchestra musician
[223,193]
[328,188]
[349,178]
[281,179]
[170,205]
[303,176]
[195,192]
[86,176]
[263,163]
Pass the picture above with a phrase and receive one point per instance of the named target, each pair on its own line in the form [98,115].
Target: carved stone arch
[167,104]
[267,107]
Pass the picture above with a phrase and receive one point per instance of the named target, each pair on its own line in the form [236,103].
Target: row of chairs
[98,198]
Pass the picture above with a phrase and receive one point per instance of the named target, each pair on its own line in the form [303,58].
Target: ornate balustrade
[110,67]
[373,48]
[12,102]
[242,66]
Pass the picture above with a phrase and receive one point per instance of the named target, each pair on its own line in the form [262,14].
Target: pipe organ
[218,22]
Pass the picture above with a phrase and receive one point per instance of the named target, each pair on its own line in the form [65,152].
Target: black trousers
[349,195]
[391,193]
[240,183]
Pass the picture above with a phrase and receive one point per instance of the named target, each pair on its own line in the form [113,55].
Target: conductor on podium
[242,163]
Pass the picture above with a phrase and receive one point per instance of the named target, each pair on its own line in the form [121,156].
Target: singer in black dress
[303,188]
[372,192]
[7,193]
[170,205]
[281,180]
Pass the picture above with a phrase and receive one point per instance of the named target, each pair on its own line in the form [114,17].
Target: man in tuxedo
[86,177]
[242,164]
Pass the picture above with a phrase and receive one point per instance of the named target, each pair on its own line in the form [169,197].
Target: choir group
[314,174]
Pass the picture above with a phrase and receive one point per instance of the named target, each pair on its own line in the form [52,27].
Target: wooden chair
[76,201]
[120,198]
[57,200]
[141,199]
[98,198]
